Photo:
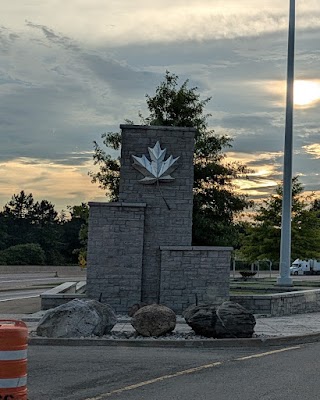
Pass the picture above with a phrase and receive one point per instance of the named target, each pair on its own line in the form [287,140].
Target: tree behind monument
[216,201]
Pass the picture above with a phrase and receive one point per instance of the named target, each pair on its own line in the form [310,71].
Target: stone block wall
[193,274]
[257,304]
[163,226]
[281,304]
[115,250]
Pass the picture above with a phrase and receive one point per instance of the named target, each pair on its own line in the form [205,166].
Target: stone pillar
[115,249]
[168,212]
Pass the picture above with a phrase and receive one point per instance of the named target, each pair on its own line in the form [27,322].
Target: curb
[202,344]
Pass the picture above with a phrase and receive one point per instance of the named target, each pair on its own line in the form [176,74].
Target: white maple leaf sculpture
[158,169]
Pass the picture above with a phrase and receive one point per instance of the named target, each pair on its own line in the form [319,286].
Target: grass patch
[247,293]
[267,286]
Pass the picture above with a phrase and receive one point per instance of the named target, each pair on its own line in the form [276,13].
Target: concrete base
[284,281]
[62,294]
[276,305]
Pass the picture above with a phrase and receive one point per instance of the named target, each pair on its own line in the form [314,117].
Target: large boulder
[236,320]
[154,320]
[202,319]
[229,320]
[77,318]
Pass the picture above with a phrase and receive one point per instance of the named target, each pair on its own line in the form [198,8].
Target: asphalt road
[97,373]
[27,285]
[20,294]
[8,281]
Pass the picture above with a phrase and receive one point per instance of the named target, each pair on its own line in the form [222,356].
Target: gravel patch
[126,335]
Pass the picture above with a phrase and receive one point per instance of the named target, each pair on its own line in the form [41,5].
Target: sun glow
[306,92]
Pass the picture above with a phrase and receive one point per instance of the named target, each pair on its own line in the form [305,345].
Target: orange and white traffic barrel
[13,360]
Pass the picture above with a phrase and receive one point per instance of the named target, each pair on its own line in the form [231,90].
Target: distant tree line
[261,237]
[32,232]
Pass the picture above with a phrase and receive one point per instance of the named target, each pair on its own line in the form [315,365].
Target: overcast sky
[71,70]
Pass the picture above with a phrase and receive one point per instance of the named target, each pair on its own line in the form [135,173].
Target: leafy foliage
[81,215]
[174,106]
[108,175]
[216,202]
[262,239]
[316,207]
[24,221]
[23,254]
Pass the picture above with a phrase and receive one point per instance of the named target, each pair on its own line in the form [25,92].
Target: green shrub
[23,254]
[3,260]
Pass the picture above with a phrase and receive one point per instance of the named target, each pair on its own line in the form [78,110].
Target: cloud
[63,94]
[313,149]
[125,22]
[7,39]
[61,184]
[263,165]
[257,188]
[66,77]
[57,39]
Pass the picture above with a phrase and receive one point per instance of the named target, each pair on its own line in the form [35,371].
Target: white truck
[305,267]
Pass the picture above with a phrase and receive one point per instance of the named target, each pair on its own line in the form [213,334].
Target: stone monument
[139,248]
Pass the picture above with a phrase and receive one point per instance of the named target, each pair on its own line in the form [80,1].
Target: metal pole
[234,266]
[285,249]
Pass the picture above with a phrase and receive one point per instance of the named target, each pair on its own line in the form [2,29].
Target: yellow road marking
[267,353]
[185,372]
[159,379]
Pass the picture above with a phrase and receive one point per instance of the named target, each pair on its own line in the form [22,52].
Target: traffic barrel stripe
[13,355]
[13,383]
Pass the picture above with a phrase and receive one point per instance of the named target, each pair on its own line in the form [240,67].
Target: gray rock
[229,320]
[133,309]
[236,320]
[77,318]
[202,319]
[154,320]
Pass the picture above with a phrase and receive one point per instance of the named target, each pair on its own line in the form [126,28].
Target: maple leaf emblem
[158,169]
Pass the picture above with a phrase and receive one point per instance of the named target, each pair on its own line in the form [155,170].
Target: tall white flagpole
[285,248]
